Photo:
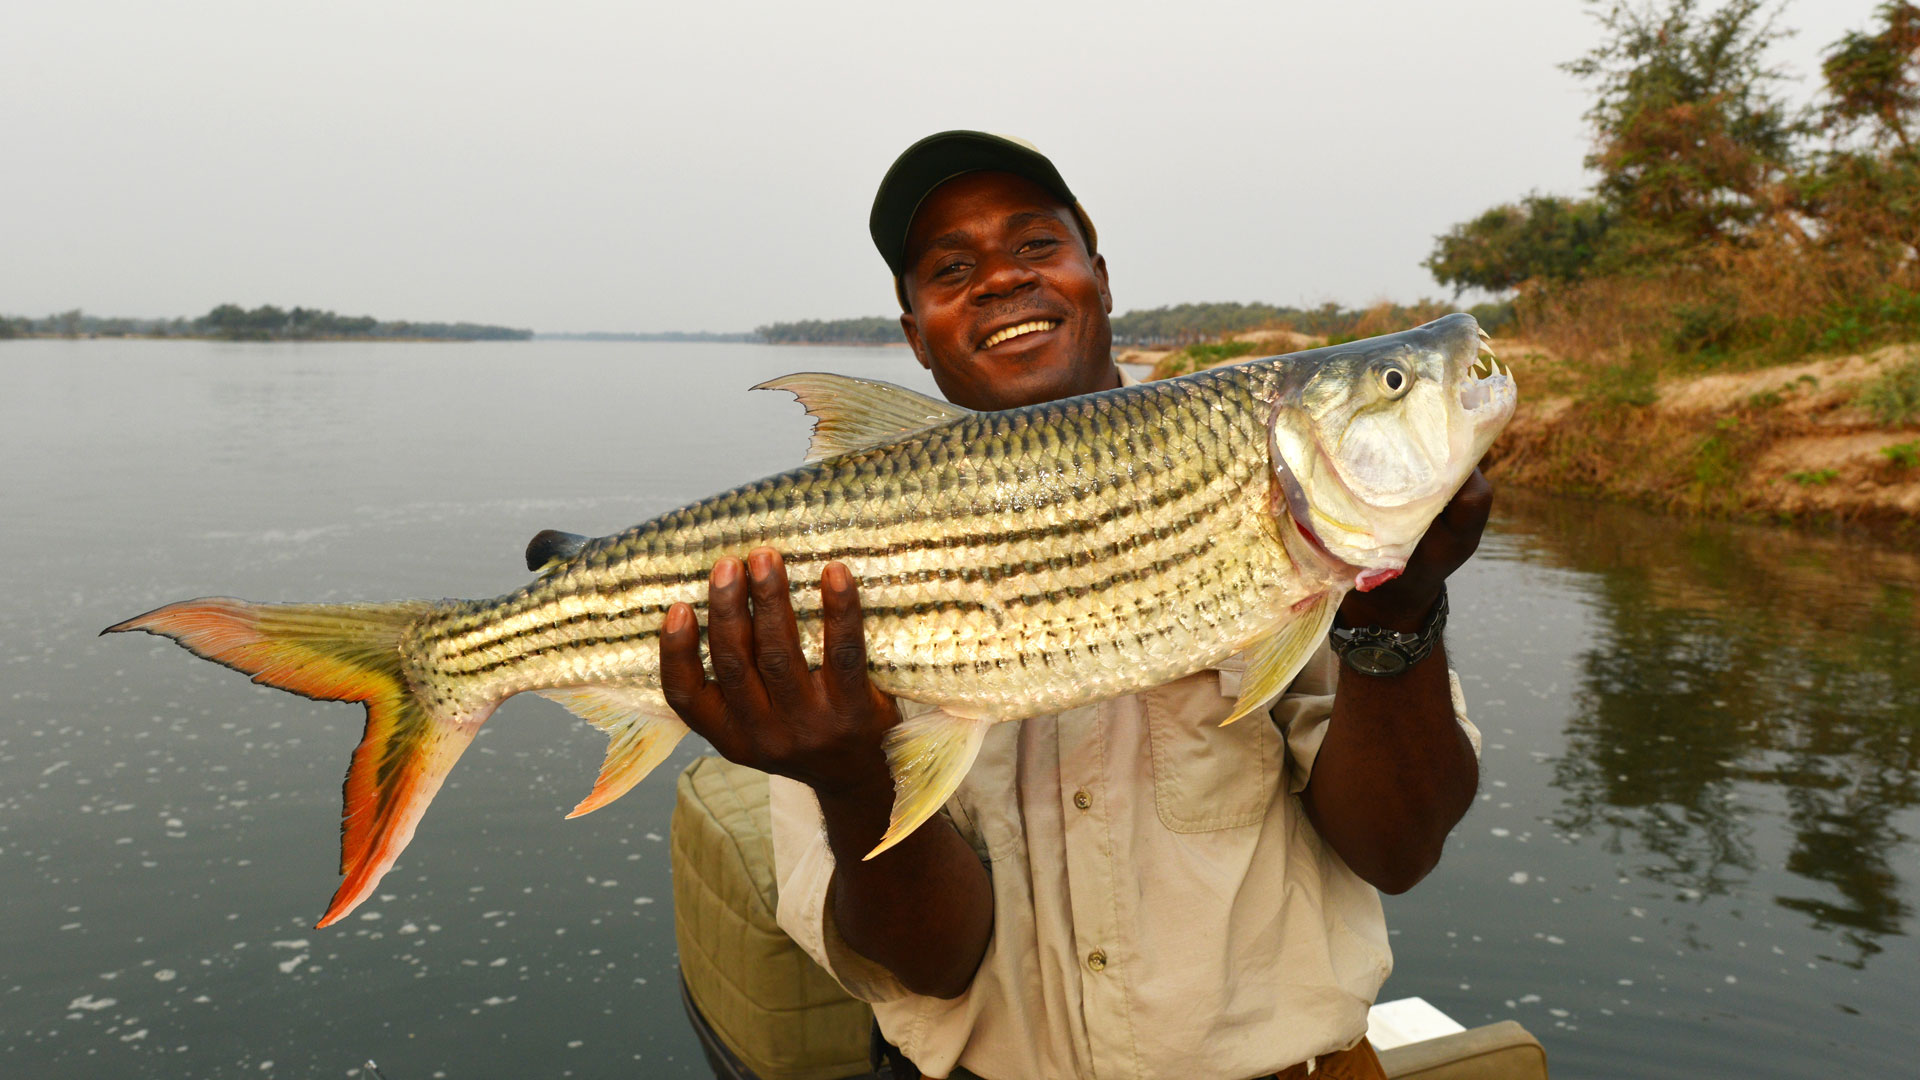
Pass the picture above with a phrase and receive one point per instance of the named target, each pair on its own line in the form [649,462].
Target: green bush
[1894,398]
[1814,478]
[1622,384]
[1206,354]
[1904,455]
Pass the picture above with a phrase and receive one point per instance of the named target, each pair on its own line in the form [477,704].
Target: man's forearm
[922,909]
[1394,774]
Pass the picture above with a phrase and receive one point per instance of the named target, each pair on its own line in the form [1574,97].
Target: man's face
[990,253]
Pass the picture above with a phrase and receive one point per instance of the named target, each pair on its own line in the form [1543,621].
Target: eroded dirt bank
[1789,443]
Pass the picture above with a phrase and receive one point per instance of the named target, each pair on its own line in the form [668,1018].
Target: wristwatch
[1373,650]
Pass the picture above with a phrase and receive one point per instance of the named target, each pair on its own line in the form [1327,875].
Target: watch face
[1376,660]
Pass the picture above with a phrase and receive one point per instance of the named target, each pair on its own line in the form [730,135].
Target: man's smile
[1017,330]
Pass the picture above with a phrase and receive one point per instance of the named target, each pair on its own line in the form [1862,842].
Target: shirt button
[1097,960]
[1081,799]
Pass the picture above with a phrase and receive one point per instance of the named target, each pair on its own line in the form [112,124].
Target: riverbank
[1794,443]
[1790,443]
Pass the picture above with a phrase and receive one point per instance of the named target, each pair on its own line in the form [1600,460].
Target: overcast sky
[646,166]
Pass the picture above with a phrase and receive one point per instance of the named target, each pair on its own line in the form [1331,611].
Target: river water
[1694,851]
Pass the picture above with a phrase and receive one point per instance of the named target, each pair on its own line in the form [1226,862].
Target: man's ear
[912,330]
[1100,271]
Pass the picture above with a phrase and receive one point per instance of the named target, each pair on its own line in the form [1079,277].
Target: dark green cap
[937,159]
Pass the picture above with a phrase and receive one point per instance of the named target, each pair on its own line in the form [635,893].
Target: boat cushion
[776,1009]
[1502,1051]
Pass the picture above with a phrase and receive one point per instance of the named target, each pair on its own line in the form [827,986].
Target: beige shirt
[1161,905]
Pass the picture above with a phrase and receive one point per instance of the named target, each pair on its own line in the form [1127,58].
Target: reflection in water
[1733,672]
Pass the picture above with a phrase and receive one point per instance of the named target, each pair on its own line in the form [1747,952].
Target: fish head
[1370,439]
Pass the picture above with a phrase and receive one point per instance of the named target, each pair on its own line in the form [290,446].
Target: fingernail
[835,577]
[760,564]
[677,617]
[724,572]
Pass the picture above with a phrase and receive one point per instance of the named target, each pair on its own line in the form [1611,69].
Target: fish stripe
[585,583]
[1012,560]
[805,611]
[801,558]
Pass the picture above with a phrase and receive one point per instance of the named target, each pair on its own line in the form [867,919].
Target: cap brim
[937,159]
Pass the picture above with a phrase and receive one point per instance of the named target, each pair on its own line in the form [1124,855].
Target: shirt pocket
[1207,777]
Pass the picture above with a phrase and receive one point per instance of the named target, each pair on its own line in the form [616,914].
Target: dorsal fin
[550,546]
[853,414]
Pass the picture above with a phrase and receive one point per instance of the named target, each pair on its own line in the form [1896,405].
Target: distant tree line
[231,322]
[872,330]
[1189,324]
[1176,324]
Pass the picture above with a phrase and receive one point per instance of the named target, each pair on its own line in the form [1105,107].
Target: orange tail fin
[340,652]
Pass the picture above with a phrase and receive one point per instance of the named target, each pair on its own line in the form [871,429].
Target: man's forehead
[960,210]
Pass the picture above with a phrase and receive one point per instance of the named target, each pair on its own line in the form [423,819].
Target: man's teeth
[1015,331]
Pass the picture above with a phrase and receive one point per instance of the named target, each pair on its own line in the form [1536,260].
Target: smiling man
[1122,890]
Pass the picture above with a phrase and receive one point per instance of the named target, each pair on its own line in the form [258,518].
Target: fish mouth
[1018,330]
[1489,386]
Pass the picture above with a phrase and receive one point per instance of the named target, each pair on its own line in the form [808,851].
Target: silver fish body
[1010,564]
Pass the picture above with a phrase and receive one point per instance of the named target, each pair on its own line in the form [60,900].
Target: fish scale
[1010,564]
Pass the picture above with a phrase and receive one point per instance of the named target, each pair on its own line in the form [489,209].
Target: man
[1126,889]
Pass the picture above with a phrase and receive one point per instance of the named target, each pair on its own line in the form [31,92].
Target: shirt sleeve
[803,867]
[1303,711]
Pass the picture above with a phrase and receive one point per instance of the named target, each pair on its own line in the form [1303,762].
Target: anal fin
[1274,660]
[641,730]
[928,756]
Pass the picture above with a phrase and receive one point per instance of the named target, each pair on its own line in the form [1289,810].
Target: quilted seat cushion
[775,1008]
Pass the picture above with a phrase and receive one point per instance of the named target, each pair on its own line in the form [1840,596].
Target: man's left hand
[1403,603]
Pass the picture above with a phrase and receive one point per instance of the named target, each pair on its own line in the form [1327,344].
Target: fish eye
[1394,380]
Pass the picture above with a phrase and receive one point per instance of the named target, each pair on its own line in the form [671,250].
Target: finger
[1472,503]
[1466,516]
[776,634]
[730,641]
[843,659]
[683,680]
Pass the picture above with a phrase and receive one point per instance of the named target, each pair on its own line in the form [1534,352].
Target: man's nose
[1002,275]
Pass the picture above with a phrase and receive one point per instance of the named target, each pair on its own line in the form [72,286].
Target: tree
[1690,140]
[1542,237]
[1873,79]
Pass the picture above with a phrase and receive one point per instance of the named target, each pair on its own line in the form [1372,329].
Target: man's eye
[1040,243]
[949,269]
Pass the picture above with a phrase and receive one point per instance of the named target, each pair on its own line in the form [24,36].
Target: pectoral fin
[1274,660]
[642,730]
[853,414]
[928,756]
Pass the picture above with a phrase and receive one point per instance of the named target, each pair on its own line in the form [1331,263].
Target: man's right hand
[764,707]
[924,908]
